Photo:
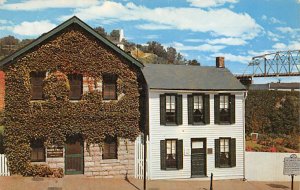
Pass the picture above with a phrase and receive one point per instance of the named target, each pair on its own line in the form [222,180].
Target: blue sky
[199,29]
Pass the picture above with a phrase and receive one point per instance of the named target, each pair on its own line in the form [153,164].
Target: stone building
[73,101]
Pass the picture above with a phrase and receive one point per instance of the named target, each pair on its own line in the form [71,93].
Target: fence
[139,157]
[3,166]
[266,166]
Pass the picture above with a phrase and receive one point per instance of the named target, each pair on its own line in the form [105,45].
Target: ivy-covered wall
[273,112]
[73,50]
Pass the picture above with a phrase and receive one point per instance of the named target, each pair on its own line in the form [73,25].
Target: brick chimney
[220,63]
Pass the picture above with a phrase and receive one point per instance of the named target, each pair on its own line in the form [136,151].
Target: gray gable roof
[186,77]
[62,26]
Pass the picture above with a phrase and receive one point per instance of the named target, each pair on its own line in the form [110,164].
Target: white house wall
[186,132]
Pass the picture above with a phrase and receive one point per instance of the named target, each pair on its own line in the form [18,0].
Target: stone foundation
[95,166]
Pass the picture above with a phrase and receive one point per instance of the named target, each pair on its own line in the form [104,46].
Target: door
[198,157]
[74,157]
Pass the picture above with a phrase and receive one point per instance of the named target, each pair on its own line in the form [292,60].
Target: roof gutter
[199,90]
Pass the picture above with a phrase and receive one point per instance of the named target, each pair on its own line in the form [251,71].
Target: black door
[198,157]
[74,157]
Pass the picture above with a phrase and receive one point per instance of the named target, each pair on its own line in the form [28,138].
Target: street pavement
[89,183]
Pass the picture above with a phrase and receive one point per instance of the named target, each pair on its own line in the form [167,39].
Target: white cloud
[292,32]
[2,1]
[235,58]
[33,28]
[227,41]
[294,45]
[194,19]
[154,27]
[271,20]
[210,3]
[31,5]
[264,17]
[204,47]
[152,36]
[272,36]
[279,46]
[194,40]
[5,22]
[275,21]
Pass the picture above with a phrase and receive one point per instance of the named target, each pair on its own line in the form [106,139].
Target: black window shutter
[190,109]
[179,109]
[163,109]
[179,154]
[232,109]
[163,154]
[206,109]
[232,153]
[217,109]
[217,153]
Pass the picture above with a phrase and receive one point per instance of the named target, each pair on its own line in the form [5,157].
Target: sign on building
[291,165]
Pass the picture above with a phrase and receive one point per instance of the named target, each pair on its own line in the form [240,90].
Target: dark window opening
[36,81]
[110,148]
[37,151]
[109,87]
[171,158]
[198,109]
[224,109]
[171,109]
[75,81]
[225,152]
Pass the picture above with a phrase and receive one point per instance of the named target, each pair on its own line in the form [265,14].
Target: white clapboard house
[196,121]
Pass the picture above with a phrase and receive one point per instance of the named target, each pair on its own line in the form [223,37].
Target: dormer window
[109,87]
[75,81]
[36,81]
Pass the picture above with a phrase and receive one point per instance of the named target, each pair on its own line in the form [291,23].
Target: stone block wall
[110,168]
[95,166]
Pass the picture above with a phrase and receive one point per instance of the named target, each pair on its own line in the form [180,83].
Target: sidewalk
[85,183]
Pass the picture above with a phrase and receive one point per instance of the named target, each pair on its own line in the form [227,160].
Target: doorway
[74,163]
[198,157]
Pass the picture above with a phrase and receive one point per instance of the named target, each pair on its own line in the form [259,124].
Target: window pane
[169,145]
[110,148]
[75,81]
[171,161]
[36,81]
[37,151]
[109,87]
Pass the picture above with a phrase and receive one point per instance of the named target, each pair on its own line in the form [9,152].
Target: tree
[193,62]
[101,31]
[171,55]
[115,34]
[157,49]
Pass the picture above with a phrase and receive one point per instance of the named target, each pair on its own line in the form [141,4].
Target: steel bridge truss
[281,63]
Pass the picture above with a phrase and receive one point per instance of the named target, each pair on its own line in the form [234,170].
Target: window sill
[107,101]
[38,162]
[171,124]
[225,123]
[109,161]
[34,101]
[225,166]
[171,169]
[200,123]
[75,100]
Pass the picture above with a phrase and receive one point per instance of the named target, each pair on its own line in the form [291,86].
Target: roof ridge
[60,27]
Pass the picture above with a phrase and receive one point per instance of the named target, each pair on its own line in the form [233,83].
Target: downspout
[244,137]
[146,132]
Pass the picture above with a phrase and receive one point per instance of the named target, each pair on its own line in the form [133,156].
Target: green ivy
[273,112]
[55,118]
